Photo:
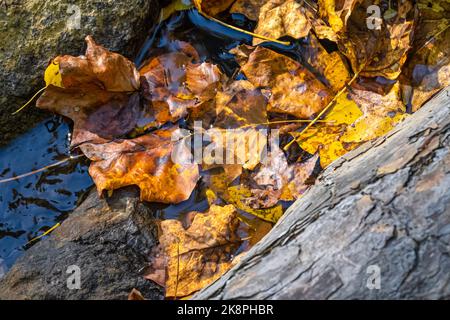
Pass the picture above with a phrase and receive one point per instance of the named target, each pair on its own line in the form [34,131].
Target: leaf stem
[29,101]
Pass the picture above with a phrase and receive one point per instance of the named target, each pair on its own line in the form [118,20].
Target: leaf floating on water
[197,256]
[146,162]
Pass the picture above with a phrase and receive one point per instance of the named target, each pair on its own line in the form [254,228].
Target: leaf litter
[339,84]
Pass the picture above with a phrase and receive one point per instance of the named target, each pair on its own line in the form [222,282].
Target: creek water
[32,205]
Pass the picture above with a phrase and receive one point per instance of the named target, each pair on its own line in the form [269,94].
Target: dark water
[30,206]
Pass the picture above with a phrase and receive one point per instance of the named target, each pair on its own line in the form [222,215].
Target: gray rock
[34,31]
[107,241]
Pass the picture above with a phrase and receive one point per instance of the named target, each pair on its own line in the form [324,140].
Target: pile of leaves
[324,105]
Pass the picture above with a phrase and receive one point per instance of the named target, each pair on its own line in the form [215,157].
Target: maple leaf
[378,52]
[95,91]
[279,18]
[174,83]
[147,162]
[359,116]
[292,88]
[189,259]
[98,115]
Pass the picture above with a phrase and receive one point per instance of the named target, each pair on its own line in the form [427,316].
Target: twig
[29,101]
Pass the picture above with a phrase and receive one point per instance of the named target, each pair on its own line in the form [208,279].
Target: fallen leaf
[174,84]
[292,88]
[279,18]
[199,255]
[249,8]
[336,12]
[212,7]
[135,295]
[98,115]
[378,52]
[95,91]
[147,162]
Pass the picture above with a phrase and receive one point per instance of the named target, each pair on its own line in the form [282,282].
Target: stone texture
[34,31]
[109,240]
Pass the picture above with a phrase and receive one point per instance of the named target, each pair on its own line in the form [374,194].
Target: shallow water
[32,205]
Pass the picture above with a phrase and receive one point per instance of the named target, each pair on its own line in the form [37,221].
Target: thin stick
[29,101]
[432,38]
[40,170]
[325,110]
[45,233]
[281,122]
[255,35]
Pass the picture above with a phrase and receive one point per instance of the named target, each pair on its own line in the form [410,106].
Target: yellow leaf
[346,111]
[237,194]
[52,75]
[177,5]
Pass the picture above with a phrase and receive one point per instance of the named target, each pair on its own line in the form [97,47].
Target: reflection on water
[31,205]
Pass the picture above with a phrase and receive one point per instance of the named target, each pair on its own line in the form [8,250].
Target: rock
[34,31]
[108,240]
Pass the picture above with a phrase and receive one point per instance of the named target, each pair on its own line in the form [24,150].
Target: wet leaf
[279,18]
[95,91]
[378,52]
[212,7]
[174,84]
[292,88]
[428,70]
[197,256]
[249,8]
[135,295]
[238,195]
[98,115]
[147,162]
[336,12]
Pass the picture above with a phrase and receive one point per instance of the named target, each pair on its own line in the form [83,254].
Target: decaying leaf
[428,70]
[357,117]
[249,8]
[293,89]
[212,7]
[383,51]
[279,18]
[147,162]
[198,255]
[95,91]
[336,12]
[174,84]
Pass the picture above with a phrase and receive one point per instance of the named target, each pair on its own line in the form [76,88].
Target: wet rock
[106,241]
[34,31]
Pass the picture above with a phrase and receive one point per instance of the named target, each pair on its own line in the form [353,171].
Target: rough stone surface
[109,240]
[386,205]
[34,31]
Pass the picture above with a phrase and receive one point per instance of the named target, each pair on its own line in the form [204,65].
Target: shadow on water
[32,205]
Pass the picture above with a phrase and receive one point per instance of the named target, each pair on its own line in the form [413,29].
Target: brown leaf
[240,104]
[249,8]
[379,52]
[292,88]
[135,295]
[146,162]
[111,71]
[212,7]
[336,12]
[174,84]
[199,255]
[95,92]
[98,115]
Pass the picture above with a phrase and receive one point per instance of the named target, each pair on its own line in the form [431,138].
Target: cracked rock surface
[383,208]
